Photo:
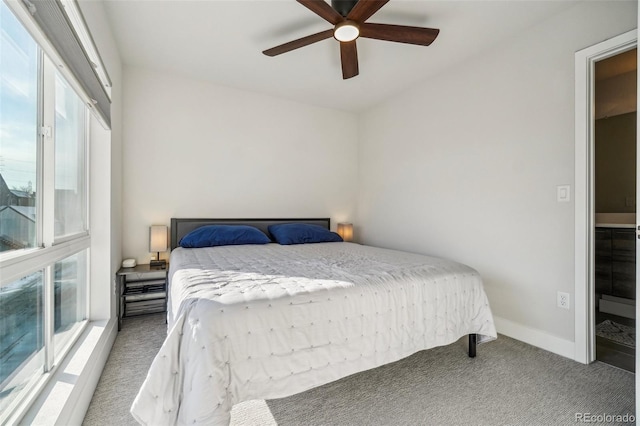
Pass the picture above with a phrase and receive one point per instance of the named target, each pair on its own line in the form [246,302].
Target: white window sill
[67,395]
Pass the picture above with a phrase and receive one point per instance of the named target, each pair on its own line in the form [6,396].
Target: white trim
[48,317]
[40,152]
[535,337]
[93,365]
[48,166]
[18,267]
[583,219]
[60,403]
[71,237]
[584,211]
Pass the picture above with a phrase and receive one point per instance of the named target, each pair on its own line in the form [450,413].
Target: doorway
[615,105]
[584,193]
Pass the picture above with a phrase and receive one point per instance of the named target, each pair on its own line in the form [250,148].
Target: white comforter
[260,322]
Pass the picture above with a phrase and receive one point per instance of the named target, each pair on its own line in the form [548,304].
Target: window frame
[48,249]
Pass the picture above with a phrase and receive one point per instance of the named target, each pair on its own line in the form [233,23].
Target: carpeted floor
[509,383]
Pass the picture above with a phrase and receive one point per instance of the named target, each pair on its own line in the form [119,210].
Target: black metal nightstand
[141,290]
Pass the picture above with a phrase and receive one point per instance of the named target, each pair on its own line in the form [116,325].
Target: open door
[614,192]
[585,203]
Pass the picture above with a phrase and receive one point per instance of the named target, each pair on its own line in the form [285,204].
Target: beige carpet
[509,383]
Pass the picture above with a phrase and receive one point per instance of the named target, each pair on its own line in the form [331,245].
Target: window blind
[54,23]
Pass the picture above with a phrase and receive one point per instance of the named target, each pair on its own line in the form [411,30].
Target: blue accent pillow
[223,235]
[301,233]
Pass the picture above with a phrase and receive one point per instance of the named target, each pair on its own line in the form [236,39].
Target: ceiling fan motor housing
[343,7]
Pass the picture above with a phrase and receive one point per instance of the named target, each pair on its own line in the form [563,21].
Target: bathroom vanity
[615,263]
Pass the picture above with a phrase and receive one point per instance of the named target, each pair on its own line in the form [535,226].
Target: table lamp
[157,243]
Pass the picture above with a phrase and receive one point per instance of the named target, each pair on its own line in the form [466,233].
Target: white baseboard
[66,397]
[532,336]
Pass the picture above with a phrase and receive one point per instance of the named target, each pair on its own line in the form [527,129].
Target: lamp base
[158,264]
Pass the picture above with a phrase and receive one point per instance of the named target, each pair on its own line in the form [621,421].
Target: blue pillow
[301,233]
[223,235]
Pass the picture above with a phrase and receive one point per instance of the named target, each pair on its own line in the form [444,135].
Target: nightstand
[141,290]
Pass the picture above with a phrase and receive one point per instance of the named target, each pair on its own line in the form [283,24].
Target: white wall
[106,167]
[466,165]
[192,149]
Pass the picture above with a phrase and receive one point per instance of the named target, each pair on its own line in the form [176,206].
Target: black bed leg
[473,341]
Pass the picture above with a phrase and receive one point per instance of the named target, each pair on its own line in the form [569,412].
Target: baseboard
[535,337]
[66,397]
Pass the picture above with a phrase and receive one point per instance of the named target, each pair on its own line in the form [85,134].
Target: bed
[269,321]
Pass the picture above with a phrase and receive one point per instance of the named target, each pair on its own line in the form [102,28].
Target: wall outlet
[564,300]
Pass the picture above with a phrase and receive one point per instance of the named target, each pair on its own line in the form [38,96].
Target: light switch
[564,193]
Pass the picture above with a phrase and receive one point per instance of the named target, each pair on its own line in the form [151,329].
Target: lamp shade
[345,230]
[158,238]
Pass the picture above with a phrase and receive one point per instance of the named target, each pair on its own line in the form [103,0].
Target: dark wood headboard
[181,227]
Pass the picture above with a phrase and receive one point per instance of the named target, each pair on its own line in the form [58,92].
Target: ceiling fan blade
[399,33]
[364,9]
[296,44]
[349,57]
[323,10]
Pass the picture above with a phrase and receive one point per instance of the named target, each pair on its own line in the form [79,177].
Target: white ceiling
[222,42]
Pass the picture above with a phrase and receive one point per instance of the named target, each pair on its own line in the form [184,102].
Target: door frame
[584,299]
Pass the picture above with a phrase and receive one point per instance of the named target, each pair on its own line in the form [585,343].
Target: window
[70,136]
[19,67]
[44,229]
[21,337]
[70,276]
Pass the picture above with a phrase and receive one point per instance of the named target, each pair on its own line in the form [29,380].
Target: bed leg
[473,341]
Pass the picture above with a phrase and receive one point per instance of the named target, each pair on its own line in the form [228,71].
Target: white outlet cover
[564,300]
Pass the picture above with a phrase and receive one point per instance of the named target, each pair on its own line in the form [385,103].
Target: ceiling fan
[348,18]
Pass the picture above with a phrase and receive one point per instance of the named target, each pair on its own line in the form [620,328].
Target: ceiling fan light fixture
[346,31]
[348,17]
